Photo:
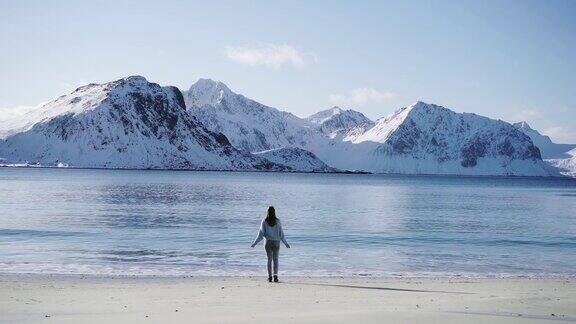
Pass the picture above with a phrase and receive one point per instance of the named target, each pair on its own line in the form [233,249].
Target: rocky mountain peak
[522,125]
[421,108]
[336,122]
[321,116]
[207,92]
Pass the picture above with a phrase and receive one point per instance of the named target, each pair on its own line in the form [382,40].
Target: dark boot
[275,278]
[269,279]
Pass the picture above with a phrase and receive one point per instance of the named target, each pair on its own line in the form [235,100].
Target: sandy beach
[58,299]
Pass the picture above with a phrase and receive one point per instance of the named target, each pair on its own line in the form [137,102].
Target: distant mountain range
[548,149]
[560,156]
[133,123]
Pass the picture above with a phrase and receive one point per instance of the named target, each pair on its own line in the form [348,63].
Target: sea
[63,221]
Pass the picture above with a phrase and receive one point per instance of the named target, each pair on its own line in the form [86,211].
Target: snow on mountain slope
[548,149]
[249,125]
[297,159]
[418,139]
[560,156]
[128,123]
[425,138]
[82,99]
[337,123]
[566,167]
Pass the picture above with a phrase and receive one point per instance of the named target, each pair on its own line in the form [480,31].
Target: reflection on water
[180,223]
[140,194]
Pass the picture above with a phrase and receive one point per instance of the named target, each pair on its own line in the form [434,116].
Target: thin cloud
[361,96]
[560,134]
[7,113]
[71,86]
[270,55]
[525,114]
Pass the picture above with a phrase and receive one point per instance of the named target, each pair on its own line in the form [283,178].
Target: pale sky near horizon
[512,60]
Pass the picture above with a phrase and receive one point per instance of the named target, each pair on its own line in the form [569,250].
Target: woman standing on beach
[271,229]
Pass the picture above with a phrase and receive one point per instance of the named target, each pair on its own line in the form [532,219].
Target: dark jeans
[272,251]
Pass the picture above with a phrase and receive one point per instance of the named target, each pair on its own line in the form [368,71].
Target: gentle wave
[377,240]
[148,270]
[26,233]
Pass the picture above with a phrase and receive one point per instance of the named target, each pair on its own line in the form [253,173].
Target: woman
[271,229]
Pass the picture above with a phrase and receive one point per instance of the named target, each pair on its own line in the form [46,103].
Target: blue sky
[513,60]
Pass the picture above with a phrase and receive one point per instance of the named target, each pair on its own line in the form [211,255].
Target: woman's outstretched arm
[282,235]
[260,235]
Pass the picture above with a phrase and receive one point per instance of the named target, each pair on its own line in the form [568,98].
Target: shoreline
[124,299]
[335,276]
[347,172]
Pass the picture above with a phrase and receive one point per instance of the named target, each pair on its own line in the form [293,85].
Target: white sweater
[273,233]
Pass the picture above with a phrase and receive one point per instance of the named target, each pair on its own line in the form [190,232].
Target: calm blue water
[202,223]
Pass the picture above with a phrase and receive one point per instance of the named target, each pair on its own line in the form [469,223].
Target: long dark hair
[271,216]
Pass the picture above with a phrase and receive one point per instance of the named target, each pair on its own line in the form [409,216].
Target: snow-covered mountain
[548,149]
[419,139]
[559,156]
[249,125]
[566,166]
[297,159]
[426,138]
[132,123]
[337,123]
[128,123]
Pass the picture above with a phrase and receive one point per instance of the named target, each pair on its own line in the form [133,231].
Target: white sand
[45,299]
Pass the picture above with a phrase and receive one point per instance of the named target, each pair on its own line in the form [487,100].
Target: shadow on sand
[380,288]
[550,317]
